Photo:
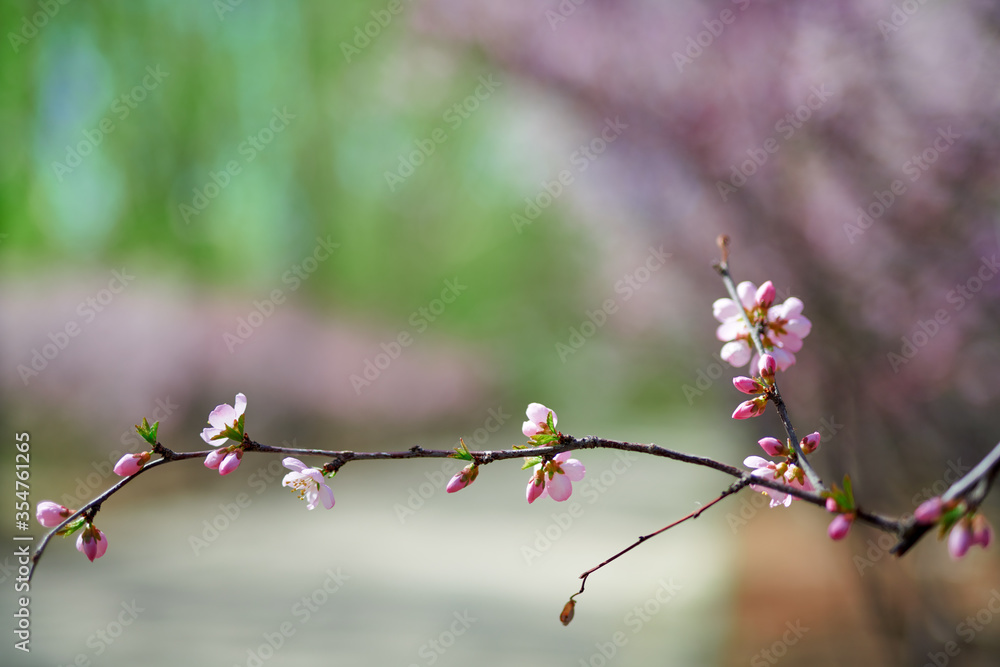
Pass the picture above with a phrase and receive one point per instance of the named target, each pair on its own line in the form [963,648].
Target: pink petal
[559,487]
[293,464]
[326,496]
[789,342]
[240,406]
[530,428]
[725,309]
[573,470]
[222,416]
[207,435]
[757,462]
[798,326]
[730,330]
[747,292]
[538,413]
[736,353]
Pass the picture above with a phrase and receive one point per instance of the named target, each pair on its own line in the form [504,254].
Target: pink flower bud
[810,442]
[839,526]
[465,477]
[91,542]
[231,462]
[929,511]
[831,505]
[982,534]
[767,365]
[772,446]
[130,464]
[765,295]
[51,514]
[960,539]
[747,385]
[214,459]
[748,409]
[536,486]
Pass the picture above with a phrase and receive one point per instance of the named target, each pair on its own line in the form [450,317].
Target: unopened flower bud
[130,464]
[751,408]
[929,511]
[567,613]
[982,534]
[766,366]
[765,295]
[810,442]
[773,446]
[960,538]
[839,526]
[51,514]
[747,385]
[832,505]
[465,477]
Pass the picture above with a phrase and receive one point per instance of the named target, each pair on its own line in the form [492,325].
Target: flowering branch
[722,267]
[754,329]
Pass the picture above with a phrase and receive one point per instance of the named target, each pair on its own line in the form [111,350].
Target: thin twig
[642,538]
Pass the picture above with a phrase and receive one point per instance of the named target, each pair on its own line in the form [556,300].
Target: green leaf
[147,432]
[548,420]
[530,463]
[462,451]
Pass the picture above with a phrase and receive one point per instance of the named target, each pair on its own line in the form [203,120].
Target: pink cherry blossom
[538,416]
[789,474]
[839,526]
[309,483]
[130,464]
[960,538]
[465,477]
[554,478]
[231,462]
[51,514]
[929,511]
[222,417]
[783,326]
[91,542]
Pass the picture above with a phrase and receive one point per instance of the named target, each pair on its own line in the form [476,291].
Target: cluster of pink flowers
[551,477]
[782,327]
[967,528]
[226,424]
[791,474]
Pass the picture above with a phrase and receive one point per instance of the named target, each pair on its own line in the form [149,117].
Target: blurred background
[396,223]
